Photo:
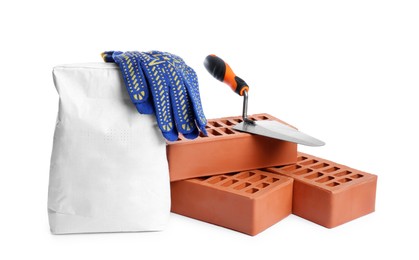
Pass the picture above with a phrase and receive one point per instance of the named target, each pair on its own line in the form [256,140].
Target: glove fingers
[191,83]
[182,109]
[161,95]
[192,135]
[188,77]
[190,80]
[134,81]
[183,116]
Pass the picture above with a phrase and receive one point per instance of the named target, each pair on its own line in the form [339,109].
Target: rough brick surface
[248,201]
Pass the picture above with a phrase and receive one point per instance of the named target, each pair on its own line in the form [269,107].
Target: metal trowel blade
[277,130]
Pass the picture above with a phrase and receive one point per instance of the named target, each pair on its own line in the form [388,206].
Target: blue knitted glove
[173,85]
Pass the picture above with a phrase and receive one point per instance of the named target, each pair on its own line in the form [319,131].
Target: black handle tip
[215,66]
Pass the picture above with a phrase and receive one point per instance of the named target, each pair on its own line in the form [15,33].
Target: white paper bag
[109,170]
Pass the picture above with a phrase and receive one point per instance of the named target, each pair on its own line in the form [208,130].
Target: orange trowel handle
[221,71]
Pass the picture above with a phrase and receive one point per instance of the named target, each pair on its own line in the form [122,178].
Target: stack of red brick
[248,183]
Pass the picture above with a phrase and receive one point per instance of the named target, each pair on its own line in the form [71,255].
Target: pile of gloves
[161,83]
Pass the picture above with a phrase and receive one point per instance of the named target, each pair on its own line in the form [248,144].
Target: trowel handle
[221,71]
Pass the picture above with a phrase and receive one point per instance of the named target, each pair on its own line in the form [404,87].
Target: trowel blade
[277,130]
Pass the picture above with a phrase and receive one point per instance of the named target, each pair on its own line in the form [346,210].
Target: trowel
[273,129]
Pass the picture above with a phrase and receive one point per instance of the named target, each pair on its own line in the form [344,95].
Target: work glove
[161,83]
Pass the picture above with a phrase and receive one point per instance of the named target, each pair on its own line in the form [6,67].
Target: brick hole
[207,126]
[242,185]
[245,175]
[202,178]
[258,178]
[263,118]
[332,169]
[325,179]
[201,134]
[252,190]
[213,132]
[312,161]
[262,185]
[215,124]
[356,176]
[303,171]
[215,179]
[320,165]
[229,183]
[333,184]
[291,168]
[238,120]
[272,180]
[314,175]
[230,174]
[301,158]
[228,122]
[253,118]
[343,173]
[343,180]
[227,131]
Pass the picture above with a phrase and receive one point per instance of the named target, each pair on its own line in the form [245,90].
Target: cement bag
[109,170]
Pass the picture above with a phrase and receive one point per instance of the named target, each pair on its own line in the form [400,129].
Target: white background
[346,72]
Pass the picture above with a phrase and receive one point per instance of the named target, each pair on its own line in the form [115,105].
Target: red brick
[248,201]
[329,193]
[225,150]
